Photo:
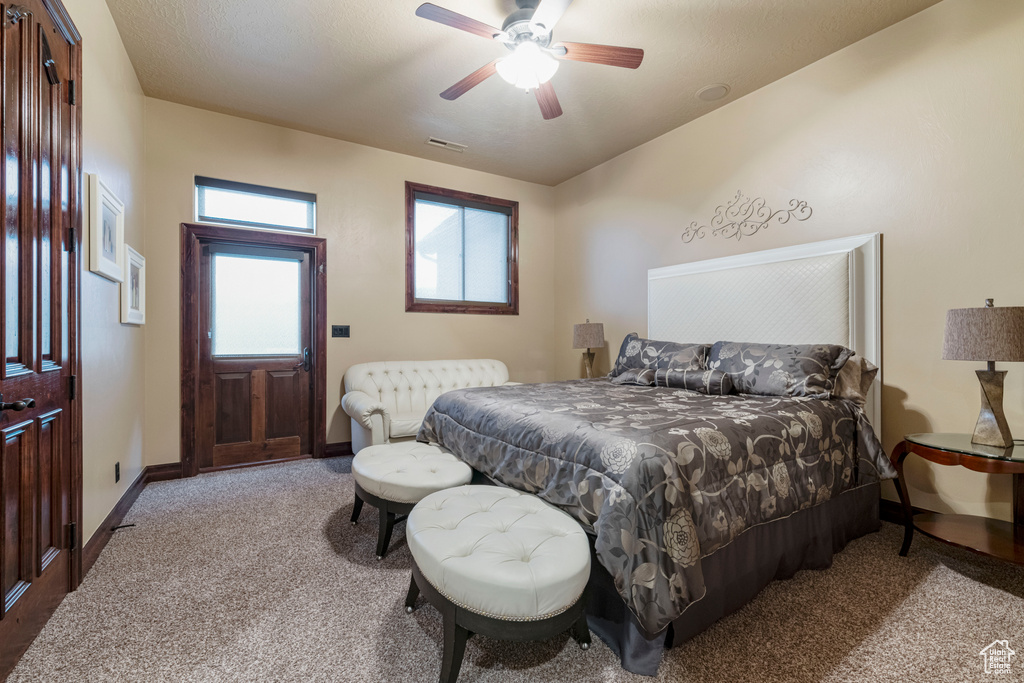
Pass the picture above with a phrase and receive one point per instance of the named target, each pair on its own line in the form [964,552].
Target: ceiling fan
[527,33]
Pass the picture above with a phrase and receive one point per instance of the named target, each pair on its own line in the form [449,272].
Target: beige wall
[916,132]
[360,210]
[113,387]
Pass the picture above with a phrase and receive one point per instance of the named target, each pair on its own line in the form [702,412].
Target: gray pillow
[854,379]
[644,377]
[637,353]
[711,382]
[780,370]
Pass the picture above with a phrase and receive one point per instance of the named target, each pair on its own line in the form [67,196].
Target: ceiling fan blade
[471,81]
[626,57]
[455,20]
[548,101]
[547,15]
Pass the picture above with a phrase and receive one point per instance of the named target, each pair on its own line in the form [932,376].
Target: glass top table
[961,443]
[994,537]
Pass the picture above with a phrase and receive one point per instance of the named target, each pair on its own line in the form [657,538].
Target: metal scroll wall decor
[743,217]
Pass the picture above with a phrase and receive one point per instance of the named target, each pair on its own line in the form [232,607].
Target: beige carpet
[256,575]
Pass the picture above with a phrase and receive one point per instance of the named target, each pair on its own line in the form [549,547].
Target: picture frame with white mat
[133,288]
[106,230]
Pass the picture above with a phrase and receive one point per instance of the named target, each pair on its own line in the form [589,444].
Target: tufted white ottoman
[393,477]
[497,562]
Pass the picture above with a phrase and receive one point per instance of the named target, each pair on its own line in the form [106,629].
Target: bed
[695,499]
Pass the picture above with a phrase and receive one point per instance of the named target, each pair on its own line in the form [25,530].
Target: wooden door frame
[75,238]
[77,210]
[193,236]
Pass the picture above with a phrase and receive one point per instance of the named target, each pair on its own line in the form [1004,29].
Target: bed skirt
[734,575]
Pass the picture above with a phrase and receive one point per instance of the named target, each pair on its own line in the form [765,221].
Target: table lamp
[990,334]
[588,336]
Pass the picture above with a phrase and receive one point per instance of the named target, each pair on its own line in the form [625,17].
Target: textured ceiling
[370,71]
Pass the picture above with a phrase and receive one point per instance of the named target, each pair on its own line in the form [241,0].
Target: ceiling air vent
[451,146]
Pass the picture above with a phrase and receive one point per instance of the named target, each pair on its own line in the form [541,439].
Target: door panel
[50,483]
[16,129]
[255,385]
[283,403]
[234,418]
[235,454]
[16,567]
[41,204]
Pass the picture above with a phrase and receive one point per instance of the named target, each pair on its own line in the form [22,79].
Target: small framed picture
[106,227]
[133,289]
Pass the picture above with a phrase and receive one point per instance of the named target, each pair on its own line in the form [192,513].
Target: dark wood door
[38,277]
[256,363]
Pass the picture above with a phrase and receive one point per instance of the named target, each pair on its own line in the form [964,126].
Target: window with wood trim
[227,202]
[461,252]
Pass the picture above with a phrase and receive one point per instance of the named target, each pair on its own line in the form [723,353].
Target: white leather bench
[387,400]
[497,562]
[394,477]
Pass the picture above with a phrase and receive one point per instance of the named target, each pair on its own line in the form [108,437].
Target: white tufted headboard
[820,293]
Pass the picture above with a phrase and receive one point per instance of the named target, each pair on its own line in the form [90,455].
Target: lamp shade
[588,335]
[985,334]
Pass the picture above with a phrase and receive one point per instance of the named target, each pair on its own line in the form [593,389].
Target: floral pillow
[643,376]
[779,369]
[711,382]
[637,353]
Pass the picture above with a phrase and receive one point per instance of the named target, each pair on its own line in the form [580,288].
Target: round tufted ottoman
[393,477]
[497,562]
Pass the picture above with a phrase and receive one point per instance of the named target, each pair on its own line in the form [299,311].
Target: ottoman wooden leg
[455,638]
[414,592]
[357,507]
[386,523]
[581,632]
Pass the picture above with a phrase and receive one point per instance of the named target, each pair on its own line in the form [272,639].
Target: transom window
[461,252]
[254,206]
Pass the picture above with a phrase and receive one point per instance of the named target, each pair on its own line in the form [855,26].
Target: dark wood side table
[994,537]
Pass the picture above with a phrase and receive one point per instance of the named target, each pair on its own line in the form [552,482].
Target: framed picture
[106,228]
[133,289]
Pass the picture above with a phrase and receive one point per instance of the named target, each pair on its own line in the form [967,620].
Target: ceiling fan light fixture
[528,67]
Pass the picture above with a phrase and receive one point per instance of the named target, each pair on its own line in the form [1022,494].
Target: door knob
[17,406]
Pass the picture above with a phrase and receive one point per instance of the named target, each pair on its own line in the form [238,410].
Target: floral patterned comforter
[662,476]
